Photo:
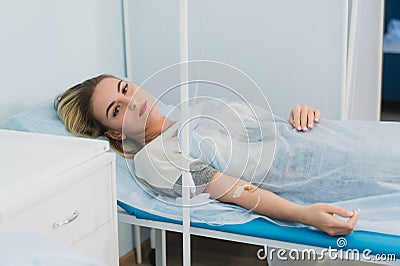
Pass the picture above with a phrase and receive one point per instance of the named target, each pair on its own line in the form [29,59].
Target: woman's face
[124,108]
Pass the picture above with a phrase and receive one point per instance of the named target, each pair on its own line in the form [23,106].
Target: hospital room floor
[210,252]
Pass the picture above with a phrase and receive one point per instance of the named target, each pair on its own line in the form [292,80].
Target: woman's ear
[115,134]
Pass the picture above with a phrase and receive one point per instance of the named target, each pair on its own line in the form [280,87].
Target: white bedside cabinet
[61,188]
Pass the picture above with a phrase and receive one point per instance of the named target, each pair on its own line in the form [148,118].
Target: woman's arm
[303,117]
[222,187]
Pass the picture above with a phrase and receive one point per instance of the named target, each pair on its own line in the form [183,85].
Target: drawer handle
[75,215]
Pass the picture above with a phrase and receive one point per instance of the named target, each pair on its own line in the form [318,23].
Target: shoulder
[164,144]
[160,161]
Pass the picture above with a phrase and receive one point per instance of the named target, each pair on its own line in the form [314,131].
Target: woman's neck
[156,128]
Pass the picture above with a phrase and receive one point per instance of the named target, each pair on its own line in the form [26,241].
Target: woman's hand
[303,117]
[320,215]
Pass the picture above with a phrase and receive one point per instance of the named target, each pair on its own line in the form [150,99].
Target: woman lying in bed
[300,192]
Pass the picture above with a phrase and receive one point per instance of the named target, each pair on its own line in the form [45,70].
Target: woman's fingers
[341,227]
[295,117]
[324,219]
[352,222]
[317,115]
[303,117]
[310,119]
[340,211]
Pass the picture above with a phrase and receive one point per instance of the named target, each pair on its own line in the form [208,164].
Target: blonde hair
[74,107]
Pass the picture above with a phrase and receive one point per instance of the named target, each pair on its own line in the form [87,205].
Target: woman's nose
[132,105]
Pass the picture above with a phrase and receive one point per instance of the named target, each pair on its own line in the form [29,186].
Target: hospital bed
[377,247]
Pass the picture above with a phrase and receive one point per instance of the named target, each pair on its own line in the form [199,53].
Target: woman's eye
[125,89]
[116,111]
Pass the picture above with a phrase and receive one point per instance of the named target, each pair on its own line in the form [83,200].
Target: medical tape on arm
[239,190]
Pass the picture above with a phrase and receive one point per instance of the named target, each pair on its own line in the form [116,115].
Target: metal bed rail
[162,227]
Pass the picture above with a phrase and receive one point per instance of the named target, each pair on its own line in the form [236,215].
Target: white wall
[47,46]
[294,50]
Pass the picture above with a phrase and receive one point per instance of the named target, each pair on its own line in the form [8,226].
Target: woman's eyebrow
[112,103]
[119,85]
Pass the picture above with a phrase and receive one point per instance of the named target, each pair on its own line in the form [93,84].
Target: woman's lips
[143,108]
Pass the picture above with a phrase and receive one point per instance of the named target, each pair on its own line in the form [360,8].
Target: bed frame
[161,227]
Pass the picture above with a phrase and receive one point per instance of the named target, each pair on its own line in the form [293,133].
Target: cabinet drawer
[91,196]
[102,244]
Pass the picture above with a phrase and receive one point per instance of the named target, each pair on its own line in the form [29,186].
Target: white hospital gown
[159,166]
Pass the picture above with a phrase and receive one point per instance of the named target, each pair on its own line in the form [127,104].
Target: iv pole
[183,36]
